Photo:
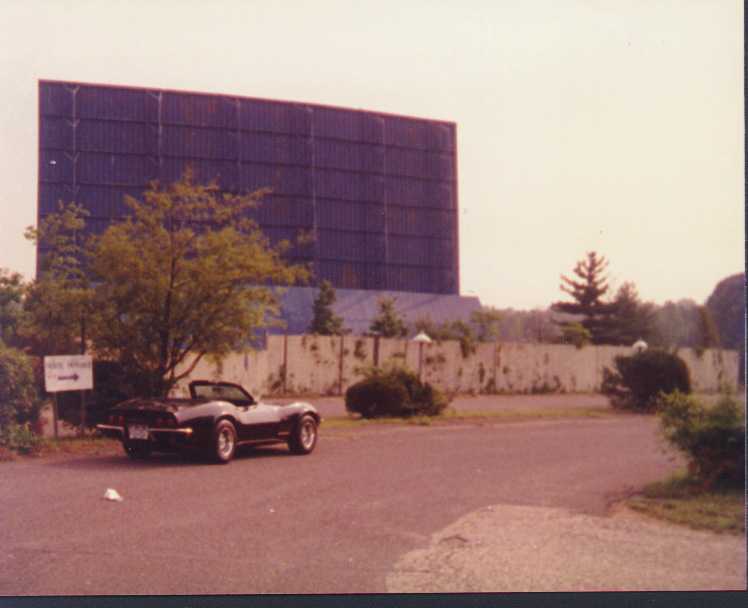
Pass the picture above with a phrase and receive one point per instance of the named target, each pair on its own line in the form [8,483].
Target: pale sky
[581,124]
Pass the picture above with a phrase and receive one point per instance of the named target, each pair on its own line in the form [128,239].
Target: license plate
[137,431]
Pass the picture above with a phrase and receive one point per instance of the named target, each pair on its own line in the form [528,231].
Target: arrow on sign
[74,377]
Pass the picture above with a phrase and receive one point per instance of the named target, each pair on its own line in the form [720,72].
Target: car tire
[137,452]
[304,436]
[224,442]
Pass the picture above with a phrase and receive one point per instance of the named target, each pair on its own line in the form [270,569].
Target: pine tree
[324,321]
[588,293]
[632,319]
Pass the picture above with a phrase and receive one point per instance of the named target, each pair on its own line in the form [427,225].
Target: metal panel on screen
[378,192]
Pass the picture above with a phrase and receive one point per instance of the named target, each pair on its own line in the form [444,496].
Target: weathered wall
[328,365]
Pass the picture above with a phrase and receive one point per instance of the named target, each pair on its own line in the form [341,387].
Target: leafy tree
[708,329]
[449,330]
[11,300]
[528,325]
[487,321]
[388,323]
[727,307]
[183,277]
[676,324]
[58,302]
[576,334]
[324,321]
[587,293]
[18,397]
[538,326]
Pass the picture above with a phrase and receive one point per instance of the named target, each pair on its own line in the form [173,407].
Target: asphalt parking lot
[337,521]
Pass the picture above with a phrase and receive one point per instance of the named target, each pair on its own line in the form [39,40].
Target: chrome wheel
[304,436]
[307,433]
[225,441]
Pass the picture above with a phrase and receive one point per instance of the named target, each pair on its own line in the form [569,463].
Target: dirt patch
[508,548]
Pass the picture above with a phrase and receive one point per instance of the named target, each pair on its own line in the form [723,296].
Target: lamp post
[422,338]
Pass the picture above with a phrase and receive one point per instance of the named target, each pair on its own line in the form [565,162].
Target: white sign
[68,373]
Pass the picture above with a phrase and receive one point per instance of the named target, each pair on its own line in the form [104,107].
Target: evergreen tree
[632,319]
[588,303]
[388,323]
[324,321]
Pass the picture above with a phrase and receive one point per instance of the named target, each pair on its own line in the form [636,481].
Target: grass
[683,500]
[90,445]
[450,415]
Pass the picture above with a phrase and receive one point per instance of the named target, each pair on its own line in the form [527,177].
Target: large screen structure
[378,192]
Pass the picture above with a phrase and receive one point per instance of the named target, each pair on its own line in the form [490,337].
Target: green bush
[20,438]
[393,392]
[19,402]
[712,438]
[639,379]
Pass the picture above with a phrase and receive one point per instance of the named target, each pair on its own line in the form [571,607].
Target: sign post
[67,373]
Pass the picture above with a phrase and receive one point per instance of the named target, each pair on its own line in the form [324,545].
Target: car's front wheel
[224,441]
[304,436]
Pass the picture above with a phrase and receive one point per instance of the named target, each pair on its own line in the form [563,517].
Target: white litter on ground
[112,494]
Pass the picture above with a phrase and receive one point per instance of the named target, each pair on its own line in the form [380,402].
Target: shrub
[713,439]
[639,379]
[20,438]
[576,334]
[393,392]
[19,402]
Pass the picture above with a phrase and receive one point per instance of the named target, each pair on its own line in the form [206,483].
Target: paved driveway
[333,522]
[335,406]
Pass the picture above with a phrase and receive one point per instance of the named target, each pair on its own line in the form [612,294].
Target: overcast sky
[581,124]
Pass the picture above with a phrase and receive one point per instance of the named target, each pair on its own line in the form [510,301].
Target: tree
[58,302]
[324,321]
[727,307]
[677,324]
[587,293]
[708,330]
[11,301]
[529,325]
[184,276]
[388,323]
[18,397]
[576,334]
[487,321]
[457,330]
[631,319]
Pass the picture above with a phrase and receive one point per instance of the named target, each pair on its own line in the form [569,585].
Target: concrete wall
[326,365]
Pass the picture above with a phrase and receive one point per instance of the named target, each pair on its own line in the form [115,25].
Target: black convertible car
[217,418]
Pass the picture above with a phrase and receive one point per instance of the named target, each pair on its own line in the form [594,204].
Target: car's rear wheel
[304,436]
[224,441]
[137,451]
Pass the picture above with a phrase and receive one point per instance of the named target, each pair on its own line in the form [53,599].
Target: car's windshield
[220,391]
